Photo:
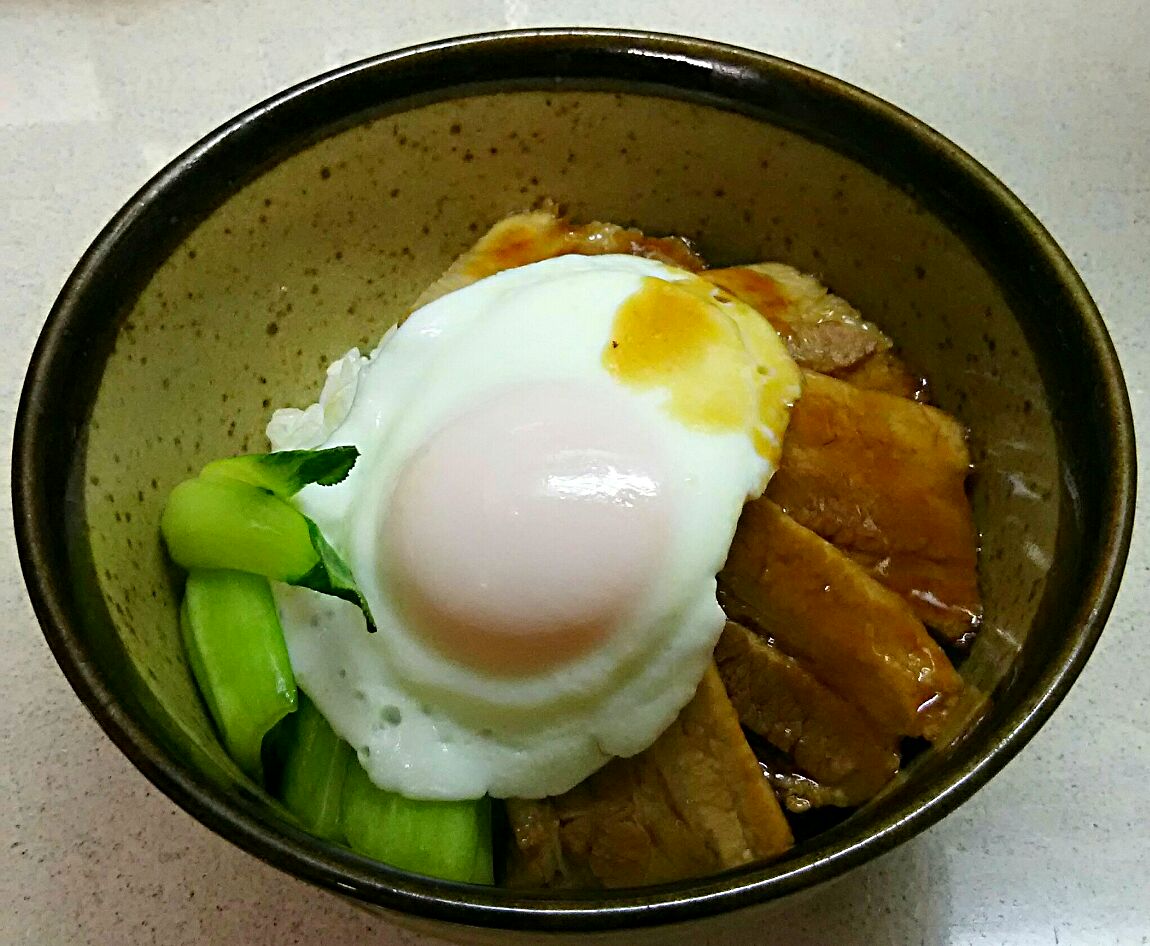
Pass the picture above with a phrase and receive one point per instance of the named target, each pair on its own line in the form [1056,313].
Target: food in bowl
[529,489]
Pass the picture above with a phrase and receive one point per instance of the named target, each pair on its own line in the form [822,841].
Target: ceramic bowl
[309,223]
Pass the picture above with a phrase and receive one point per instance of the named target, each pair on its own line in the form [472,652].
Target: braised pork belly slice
[541,234]
[885,371]
[884,479]
[857,637]
[829,740]
[694,803]
[822,331]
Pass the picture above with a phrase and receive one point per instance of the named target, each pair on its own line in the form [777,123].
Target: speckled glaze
[289,255]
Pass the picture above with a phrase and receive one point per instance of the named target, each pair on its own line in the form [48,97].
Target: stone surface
[94,97]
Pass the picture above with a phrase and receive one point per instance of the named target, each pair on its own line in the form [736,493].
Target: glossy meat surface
[694,803]
[541,234]
[884,479]
[822,331]
[829,738]
[853,634]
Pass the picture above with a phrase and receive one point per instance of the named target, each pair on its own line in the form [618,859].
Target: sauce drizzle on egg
[724,368]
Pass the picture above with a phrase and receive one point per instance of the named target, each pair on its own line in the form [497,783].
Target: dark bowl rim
[346,873]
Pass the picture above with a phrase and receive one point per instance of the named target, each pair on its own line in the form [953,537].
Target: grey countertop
[1054,96]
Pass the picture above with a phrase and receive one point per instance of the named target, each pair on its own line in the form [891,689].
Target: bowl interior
[328,249]
[327,246]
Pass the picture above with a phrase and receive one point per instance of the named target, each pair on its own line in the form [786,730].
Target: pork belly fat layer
[885,371]
[822,331]
[829,739]
[883,478]
[693,803]
[541,234]
[858,638]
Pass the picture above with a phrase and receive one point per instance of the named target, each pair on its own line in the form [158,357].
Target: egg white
[423,724]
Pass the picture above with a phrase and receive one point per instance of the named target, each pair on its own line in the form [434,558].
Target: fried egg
[552,464]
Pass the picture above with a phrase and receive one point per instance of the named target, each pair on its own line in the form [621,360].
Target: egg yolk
[522,533]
